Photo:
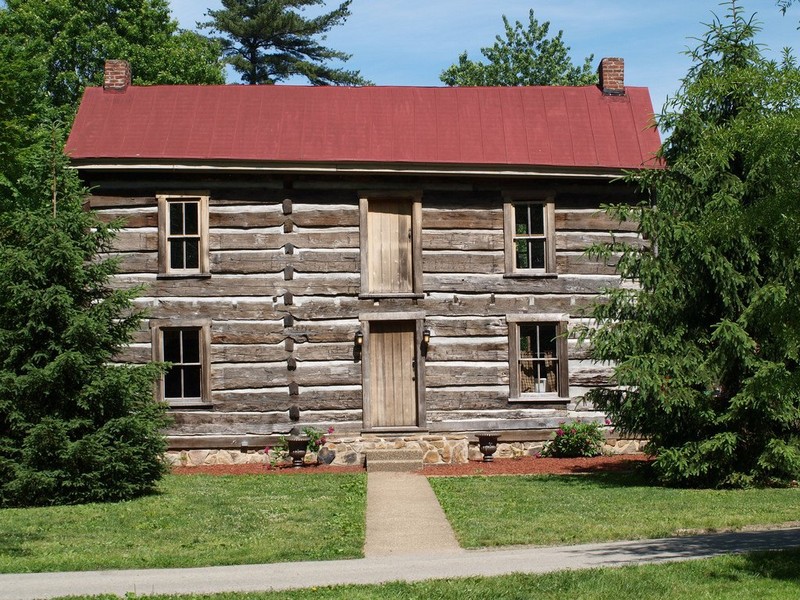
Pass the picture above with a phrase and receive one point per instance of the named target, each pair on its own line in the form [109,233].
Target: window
[391,254]
[186,382]
[538,357]
[530,237]
[183,234]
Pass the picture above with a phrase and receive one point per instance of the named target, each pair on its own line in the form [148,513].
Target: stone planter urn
[297,443]
[487,444]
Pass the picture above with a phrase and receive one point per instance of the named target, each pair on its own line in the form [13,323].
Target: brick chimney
[117,75]
[612,76]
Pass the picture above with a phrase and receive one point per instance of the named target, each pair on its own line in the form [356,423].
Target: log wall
[283,298]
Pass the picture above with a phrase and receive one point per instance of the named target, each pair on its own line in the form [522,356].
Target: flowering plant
[576,439]
[316,439]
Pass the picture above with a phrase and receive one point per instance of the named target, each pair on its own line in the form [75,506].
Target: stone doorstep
[395,460]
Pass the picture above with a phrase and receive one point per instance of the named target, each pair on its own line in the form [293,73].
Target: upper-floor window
[529,227]
[183,234]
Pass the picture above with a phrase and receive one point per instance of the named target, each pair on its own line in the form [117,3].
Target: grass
[570,509]
[764,576]
[195,520]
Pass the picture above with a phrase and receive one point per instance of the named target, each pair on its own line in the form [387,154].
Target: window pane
[523,256]
[192,248]
[172,345]
[527,341]
[536,253]
[527,377]
[191,382]
[536,212]
[175,218]
[547,341]
[190,213]
[176,260]
[172,383]
[521,217]
[191,345]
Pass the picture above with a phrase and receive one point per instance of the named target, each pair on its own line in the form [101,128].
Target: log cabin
[398,263]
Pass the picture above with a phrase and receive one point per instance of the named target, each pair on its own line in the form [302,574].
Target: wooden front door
[392,374]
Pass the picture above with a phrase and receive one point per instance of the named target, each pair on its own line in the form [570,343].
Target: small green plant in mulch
[575,440]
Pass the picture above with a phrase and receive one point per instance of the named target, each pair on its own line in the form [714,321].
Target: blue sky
[409,42]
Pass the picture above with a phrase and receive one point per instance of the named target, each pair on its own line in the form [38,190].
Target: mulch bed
[527,465]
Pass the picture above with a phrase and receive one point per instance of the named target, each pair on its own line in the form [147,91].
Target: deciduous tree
[268,41]
[527,56]
[706,350]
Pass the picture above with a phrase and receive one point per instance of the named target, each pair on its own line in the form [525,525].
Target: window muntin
[183,380]
[537,366]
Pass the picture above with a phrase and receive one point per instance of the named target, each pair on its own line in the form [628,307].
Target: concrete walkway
[404,517]
[406,541]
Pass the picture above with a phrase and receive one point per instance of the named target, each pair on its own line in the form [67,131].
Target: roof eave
[351,168]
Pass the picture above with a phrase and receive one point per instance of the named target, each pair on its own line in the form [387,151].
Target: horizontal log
[143,217]
[268,375]
[563,284]
[122,201]
[233,401]
[467,349]
[199,422]
[132,240]
[316,350]
[463,262]
[461,218]
[583,265]
[242,217]
[460,327]
[247,332]
[580,241]
[466,398]
[222,286]
[243,353]
[326,216]
[308,239]
[433,239]
[590,220]
[272,261]
[448,374]
[138,354]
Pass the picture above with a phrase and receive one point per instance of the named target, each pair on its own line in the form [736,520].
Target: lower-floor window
[538,356]
[182,382]
[184,346]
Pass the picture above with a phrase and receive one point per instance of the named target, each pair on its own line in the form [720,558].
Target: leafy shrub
[576,439]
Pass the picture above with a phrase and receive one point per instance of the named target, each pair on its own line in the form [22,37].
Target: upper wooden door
[392,374]
[389,248]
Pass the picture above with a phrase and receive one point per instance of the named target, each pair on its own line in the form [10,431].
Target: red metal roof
[497,126]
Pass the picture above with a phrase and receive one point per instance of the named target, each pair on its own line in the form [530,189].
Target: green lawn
[569,509]
[195,520]
[763,576]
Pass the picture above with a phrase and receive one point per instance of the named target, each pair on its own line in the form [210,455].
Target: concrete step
[395,460]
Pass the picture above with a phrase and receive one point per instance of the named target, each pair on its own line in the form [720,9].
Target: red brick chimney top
[612,76]
[117,75]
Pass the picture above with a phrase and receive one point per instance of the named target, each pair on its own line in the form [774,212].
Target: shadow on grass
[776,565]
[13,544]
[613,478]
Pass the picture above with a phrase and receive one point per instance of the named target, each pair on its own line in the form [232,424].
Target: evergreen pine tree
[73,427]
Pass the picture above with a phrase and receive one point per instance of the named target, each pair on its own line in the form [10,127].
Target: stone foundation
[436,450]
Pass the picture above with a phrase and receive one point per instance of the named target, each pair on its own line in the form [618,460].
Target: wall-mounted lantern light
[359,338]
[426,336]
